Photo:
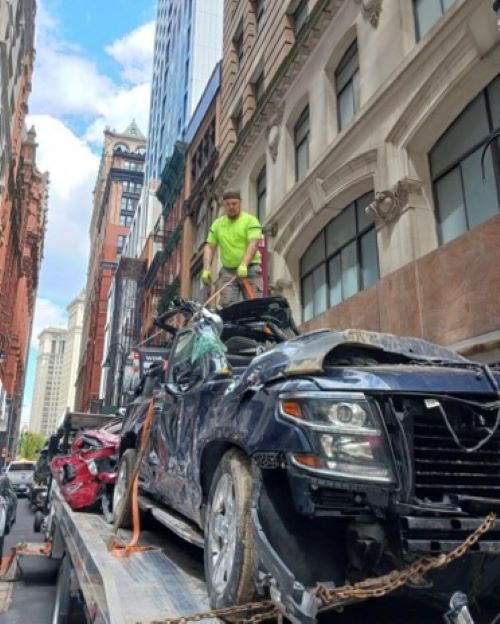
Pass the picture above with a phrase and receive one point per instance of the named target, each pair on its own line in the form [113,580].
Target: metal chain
[255,612]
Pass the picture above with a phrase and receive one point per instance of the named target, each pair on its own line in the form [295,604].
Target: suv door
[183,377]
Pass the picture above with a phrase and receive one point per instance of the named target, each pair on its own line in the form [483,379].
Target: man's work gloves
[206,277]
[206,274]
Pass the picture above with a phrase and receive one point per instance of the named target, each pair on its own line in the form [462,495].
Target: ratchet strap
[115,546]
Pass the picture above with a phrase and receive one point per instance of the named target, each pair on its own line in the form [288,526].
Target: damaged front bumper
[403,539]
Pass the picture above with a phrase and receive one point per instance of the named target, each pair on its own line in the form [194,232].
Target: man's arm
[208,254]
[250,252]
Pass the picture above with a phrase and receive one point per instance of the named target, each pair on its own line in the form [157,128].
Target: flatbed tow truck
[153,585]
[162,579]
[161,584]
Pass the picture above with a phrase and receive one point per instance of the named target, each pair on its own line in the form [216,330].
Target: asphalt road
[33,594]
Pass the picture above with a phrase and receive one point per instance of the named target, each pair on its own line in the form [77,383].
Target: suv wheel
[228,533]
[122,504]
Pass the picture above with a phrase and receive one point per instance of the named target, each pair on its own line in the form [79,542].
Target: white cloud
[134,52]
[73,170]
[117,112]
[68,84]
[47,314]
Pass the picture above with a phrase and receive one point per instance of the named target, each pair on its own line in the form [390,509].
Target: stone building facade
[72,348]
[23,208]
[369,132]
[49,396]
[117,190]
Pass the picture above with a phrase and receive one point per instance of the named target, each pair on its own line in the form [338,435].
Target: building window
[120,148]
[238,121]
[238,43]
[258,87]
[201,228]
[261,188]
[125,219]
[347,86]
[127,204]
[131,187]
[301,142]
[120,242]
[300,17]
[259,14]
[463,200]
[427,13]
[341,260]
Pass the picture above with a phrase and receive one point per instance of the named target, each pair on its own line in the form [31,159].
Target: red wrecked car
[89,470]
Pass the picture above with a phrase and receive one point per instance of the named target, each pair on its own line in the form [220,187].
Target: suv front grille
[442,467]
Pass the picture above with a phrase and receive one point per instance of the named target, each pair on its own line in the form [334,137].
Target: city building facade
[23,207]
[72,348]
[201,161]
[117,191]
[49,396]
[188,45]
[367,174]
[163,276]
[123,327]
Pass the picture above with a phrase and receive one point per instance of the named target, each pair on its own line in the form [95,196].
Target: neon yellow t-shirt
[232,236]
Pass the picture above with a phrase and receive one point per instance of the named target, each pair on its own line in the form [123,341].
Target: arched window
[140,151]
[120,147]
[341,260]
[347,86]
[463,200]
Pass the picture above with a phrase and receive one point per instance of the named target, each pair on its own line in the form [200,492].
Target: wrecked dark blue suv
[327,457]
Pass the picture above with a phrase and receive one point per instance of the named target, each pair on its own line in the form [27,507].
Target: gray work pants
[236,291]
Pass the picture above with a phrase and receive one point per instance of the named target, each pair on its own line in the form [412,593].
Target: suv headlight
[345,432]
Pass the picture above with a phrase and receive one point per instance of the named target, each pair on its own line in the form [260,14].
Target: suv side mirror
[184,373]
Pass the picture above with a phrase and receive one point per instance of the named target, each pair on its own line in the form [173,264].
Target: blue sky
[92,70]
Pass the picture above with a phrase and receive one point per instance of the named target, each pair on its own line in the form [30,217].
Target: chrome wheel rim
[120,488]
[222,533]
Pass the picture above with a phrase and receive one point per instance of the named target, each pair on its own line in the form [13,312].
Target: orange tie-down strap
[115,546]
[248,288]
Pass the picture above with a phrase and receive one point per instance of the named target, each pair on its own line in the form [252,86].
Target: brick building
[117,190]
[359,145]
[201,162]
[23,207]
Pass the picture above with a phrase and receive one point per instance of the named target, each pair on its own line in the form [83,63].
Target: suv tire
[228,533]
[122,487]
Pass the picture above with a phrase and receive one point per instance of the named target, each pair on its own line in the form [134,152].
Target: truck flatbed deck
[164,582]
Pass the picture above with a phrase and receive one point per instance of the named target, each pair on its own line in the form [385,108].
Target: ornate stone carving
[371,10]
[273,131]
[273,139]
[388,205]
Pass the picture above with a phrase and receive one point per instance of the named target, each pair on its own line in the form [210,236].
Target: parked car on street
[20,474]
[8,494]
[327,457]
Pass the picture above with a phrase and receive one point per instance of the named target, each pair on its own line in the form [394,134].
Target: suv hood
[407,379]
[368,359]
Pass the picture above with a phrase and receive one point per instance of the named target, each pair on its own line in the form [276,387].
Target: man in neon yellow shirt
[237,234]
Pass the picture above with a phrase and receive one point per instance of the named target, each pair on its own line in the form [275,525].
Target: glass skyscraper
[188,45]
